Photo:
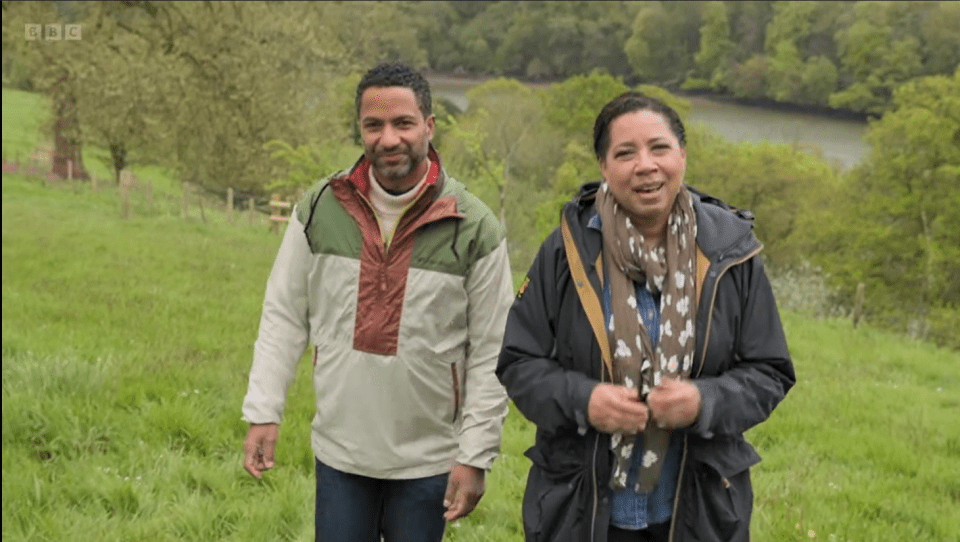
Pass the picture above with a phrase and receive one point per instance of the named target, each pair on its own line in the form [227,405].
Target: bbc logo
[52,32]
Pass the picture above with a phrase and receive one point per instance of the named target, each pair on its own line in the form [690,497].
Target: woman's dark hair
[629,102]
[396,74]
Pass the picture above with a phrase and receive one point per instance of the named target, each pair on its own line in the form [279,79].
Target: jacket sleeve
[552,395]
[283,329]
[489,291]
[760,370]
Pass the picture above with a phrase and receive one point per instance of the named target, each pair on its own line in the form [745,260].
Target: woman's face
[644,167]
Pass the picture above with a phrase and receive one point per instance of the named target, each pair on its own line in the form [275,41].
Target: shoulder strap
[588,297]
[702,265]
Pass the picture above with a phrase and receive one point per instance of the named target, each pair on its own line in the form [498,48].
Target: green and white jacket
[405,338]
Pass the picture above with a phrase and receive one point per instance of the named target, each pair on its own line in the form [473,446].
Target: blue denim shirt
[629,509]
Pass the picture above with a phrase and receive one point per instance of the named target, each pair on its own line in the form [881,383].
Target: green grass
[125,351]
[126,346]
[23,115]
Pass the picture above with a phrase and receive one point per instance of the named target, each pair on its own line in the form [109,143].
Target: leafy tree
[56,69]
[505,152]
[790,23]
[438,26]
[785,73]
[483,35]
[748,24]
[901,236]
[875,57]
[371,32]
[939,26]
[818,81]
[572,105]
[664,37]
[713,58]
[234,86]
[749,79]
[779,184]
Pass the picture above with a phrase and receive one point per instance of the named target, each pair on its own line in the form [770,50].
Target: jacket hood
[722,231]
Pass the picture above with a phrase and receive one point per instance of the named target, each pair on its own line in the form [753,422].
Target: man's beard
[396,170]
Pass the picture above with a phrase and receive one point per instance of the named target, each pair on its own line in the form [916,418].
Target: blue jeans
[353,508]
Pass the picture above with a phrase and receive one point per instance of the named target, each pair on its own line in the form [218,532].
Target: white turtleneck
[390,208]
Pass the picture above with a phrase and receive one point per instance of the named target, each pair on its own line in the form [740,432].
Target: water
[840,140]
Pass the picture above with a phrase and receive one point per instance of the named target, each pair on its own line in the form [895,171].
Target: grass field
[125,351]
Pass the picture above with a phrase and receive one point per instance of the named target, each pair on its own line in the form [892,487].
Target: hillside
[126,346]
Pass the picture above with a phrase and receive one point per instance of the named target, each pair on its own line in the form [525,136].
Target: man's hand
[464,489]
[258,448]
[616,409]
[674,403]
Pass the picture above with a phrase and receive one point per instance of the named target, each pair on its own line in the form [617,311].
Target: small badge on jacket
[523,287]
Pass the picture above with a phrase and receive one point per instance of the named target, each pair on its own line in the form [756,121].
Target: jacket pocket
[555,497]
[717,494]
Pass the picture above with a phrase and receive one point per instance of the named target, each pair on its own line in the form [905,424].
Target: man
[400,280]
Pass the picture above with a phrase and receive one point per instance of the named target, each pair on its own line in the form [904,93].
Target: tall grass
[125,351]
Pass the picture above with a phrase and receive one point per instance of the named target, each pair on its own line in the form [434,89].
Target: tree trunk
[118,153]
[66,147]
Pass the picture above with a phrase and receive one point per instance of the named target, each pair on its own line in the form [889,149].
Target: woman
[644,341]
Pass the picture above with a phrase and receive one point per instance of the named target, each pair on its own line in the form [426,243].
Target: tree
[572,105]
[506,154]
[749,79]
[748,26]
[715,45]
[232,83]
[876,56]
[56,69]
[905,242]
[779,184]
[664,37]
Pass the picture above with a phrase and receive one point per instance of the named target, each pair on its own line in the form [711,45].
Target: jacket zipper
[456,392]
[703,357]
[596,444]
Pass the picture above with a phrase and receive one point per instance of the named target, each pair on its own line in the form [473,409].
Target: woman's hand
[674,403]
[616,409]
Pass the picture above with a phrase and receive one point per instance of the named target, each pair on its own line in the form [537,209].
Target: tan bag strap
[588,297]
[702,265]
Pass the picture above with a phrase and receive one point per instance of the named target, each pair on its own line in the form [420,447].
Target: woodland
[259,98]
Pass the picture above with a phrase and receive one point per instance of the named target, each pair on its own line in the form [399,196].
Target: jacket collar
[359,174]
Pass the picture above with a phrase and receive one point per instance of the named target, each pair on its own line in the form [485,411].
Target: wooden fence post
[278,210]
[230,205]
[250,210]
[203,215]
[858,304]
[124,195]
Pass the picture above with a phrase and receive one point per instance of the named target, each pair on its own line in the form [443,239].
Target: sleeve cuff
[701,426]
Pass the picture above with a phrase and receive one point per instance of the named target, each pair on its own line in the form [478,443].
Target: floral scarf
[670,270]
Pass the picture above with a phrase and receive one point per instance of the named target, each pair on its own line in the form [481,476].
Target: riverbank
[449,80]
[838,135]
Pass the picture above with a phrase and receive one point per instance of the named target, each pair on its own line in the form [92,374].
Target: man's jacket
[551,360]
[405,337]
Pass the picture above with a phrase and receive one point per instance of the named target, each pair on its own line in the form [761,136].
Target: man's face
[396,137]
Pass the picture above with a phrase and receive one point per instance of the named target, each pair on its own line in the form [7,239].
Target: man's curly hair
[395,74]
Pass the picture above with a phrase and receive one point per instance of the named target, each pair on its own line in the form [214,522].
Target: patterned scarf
[668,269]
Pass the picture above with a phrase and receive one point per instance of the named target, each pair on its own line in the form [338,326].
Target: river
[841,140]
